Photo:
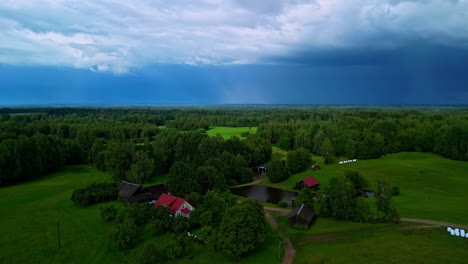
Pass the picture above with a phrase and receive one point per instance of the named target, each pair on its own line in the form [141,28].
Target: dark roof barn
[127,189]
[301,215]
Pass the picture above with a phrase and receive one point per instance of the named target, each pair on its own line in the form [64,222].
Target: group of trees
[232,228]
[340,200]
[297,160]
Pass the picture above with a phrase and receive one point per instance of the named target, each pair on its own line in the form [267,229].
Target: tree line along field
[228,132]
[30,212]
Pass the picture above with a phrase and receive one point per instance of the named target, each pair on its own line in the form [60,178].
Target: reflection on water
[264,194]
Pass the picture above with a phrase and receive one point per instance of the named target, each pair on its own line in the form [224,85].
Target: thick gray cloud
[118,35]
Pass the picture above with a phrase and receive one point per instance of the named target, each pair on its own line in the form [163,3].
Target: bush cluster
[95,193]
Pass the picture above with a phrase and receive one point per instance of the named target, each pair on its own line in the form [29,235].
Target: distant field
[432,187]
[228,132]
[30,211]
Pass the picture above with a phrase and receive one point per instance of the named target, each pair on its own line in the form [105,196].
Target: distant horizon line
[104,105]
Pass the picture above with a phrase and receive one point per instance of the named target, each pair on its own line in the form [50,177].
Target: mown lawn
[386,246]
[30,212]
[432,187]
[228,132]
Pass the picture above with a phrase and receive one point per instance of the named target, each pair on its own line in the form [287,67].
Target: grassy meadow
[228,132]
[432,187]
[383,246]
[30,212]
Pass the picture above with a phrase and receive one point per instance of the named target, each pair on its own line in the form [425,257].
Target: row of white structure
[457,232]
[346,161]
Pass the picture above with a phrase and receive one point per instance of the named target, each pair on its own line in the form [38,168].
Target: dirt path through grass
[256,181]
[290,252]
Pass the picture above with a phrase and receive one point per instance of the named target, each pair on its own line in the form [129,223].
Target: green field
[432,187]
[386,246]
[228,132]
[30,212]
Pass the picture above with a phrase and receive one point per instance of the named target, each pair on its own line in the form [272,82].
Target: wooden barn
[132,193]
[310,182]
[301,215]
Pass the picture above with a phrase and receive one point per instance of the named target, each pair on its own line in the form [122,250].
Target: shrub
[95,193]
[206,218]
[150,255]
[124,234]
[283,204]
[329,160]
[139,212]
[174,250]
[245,134]
[108,213]
[159,227]
[395,191]
[180,224]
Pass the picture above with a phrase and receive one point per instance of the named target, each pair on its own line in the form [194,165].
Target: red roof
[170,201]
[311,181]
[185,210]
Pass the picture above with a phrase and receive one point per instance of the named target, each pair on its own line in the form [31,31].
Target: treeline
[365,138]
[126,141]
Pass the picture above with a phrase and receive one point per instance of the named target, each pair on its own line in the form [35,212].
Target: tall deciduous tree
[242,228]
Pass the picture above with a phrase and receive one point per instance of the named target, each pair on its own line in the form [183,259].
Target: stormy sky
[233,52]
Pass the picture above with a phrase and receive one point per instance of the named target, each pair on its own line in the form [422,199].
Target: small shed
[301,215]
[261,169]
[309,182]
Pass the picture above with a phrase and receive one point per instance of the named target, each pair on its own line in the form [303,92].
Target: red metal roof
[170,201]
[311,181]
[185,210]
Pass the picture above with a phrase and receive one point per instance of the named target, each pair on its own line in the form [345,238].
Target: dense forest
[130,143]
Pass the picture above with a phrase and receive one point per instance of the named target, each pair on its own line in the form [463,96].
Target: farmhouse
[179,206]
[301,215]
[310,182]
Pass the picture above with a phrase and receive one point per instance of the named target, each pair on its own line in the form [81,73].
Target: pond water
[265,194]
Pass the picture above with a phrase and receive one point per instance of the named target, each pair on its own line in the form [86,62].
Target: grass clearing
[432,187]
[386,246]
[228,132]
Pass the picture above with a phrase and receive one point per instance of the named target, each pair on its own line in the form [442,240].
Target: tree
[209,178]
[277,171]
[150,255]
[327,149]
[298,160]
[383,195]
[305,196]
[358,181]
[342,199]
[142,169]
[124,234]
[242,228]
[139,212]
[181,179]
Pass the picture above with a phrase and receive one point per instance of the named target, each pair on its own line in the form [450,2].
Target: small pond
[265,194]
